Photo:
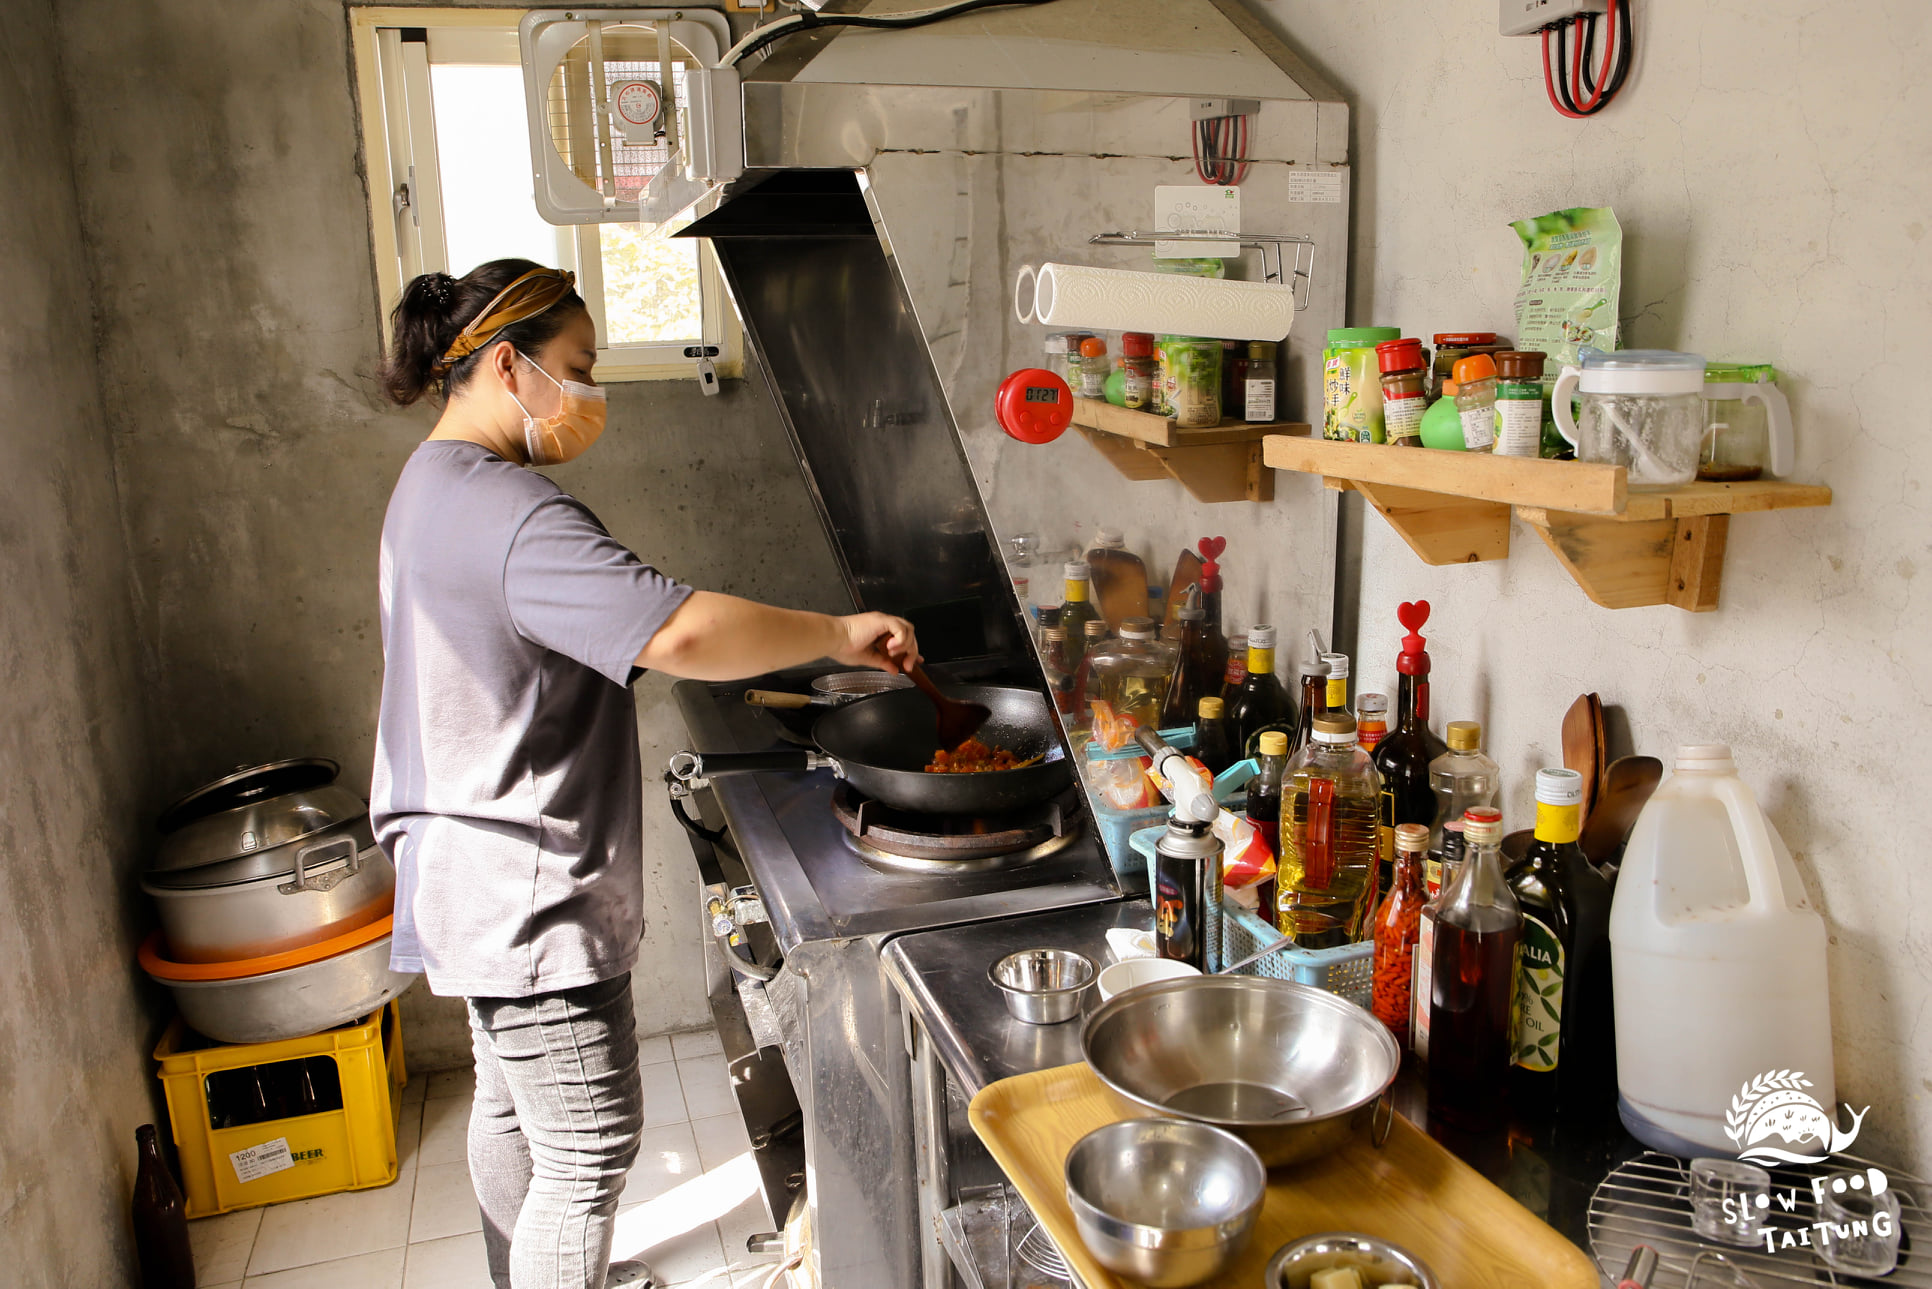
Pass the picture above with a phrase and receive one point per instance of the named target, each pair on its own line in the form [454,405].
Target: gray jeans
[554,1129]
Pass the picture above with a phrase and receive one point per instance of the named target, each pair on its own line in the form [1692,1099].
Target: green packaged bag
[1572,275]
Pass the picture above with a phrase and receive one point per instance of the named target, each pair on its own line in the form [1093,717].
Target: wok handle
[779,698]
[689,767]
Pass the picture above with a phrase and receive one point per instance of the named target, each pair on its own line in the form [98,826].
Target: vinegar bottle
[1472,983]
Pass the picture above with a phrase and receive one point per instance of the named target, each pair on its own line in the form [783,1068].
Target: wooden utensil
[1582,747]
[1627,784]
[957,721]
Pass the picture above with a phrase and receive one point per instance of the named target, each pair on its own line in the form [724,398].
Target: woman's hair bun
[433,311]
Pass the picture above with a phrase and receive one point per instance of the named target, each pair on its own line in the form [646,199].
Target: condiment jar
[1404,391]
[1454,346]
[1747,424]
[1063,355]
[1476,402]
[1519,403]
[1094,368]
[1137,361]
[1642,409]
[1351,384]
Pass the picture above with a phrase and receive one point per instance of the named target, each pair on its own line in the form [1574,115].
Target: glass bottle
[161,1246]
[1398,924]
[1258,383]
[1472,983]
[1404,391]
[1093,636]
[1261,703]
[1132,673]
[1094,368]
[1263,807]
[1446,861]
[1314,701]
[1403,757]
[1476,402]
[1326,878]
[1137,360]
[1337,695]
[1519,403]
[1564,1040]
[1371,720]
[1078,609]
[1462,776]
[1236,672]
[1213,743]
[1117,578]
[1059,675]
[1195,676]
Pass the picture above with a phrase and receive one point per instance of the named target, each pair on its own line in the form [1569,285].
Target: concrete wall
[1754,160]
[229,230]
[73,1031]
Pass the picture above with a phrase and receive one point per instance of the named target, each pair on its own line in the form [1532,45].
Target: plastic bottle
[1442,423]
[1476,402]
[1094,368]
[1329,840]
[1132,674]
[1718,961]
[1462,777]
[1118,578]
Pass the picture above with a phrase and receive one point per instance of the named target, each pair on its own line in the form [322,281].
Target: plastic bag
[1572,277]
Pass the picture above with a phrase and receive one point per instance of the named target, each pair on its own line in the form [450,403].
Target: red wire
[1603,77]
[1549,82]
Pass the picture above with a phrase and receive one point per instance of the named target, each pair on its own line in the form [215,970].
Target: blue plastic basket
[1118,826]
[1234,933]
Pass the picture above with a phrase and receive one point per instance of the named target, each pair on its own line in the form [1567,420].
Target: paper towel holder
[1273,259]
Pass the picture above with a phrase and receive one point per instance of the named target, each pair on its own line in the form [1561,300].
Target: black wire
[1562,77]
[814,21]
[1620,66]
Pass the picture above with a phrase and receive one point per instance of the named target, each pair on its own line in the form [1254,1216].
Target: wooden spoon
[958,721]
[1582,746]
[1627,785]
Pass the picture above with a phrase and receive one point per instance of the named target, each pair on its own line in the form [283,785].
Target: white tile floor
[689,1202]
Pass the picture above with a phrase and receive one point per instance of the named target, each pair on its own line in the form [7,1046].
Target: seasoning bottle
[1077,610]
[1137,361]
[1068,354]
[1314,701]
[1472,983]
[1404,391]
[1398,924]
[1446,861]
[1131,674]
[1235,674]
[1337,695]
[1093,635]
[1059,674]
[1213,744]
[1462,777]
[1195,673]
[1217,648]
[1371,720]
[1476,402]
[1403,757]
[1183,857]
[1519,403]
[1094,368]
[1564,1039]
[1329,841]
[161,1246]
[1258,387]
[1454,346]
[1261,703]
[1117,578]
[1263,806]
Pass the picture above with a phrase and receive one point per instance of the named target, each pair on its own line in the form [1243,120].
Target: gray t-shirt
[508,789]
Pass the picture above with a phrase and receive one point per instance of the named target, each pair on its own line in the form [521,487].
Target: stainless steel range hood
[870,194]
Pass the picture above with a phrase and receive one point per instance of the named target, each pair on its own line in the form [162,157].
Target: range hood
[870,194]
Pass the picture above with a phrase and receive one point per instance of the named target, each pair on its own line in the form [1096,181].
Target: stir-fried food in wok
[975,757]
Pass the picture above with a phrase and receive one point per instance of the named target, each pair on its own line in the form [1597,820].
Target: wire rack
[1646,1200]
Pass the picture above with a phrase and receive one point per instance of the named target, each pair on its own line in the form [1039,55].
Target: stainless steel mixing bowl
[1290,1069]
[1163,1201]
[1295,1264]
[1043,986]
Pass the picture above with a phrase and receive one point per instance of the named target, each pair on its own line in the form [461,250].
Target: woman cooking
[508,788]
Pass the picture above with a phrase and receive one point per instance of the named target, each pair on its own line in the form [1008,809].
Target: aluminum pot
[287,1001]
[340,880]
[242,825]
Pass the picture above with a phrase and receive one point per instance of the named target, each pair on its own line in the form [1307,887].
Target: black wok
[880,745]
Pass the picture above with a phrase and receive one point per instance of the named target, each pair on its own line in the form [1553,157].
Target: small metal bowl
[1163,1201]
[1043,986]
[1295,1264]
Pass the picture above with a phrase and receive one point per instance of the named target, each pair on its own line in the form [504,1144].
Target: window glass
[482,147]
[651,292]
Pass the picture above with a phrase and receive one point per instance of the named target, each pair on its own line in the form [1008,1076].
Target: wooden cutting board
[1411,1192]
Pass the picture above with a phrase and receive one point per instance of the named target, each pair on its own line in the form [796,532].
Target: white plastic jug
[1718,963]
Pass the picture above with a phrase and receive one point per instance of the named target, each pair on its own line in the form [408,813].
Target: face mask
[553,440]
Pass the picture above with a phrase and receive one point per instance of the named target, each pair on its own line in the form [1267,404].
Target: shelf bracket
[1678,562]
[1440,528]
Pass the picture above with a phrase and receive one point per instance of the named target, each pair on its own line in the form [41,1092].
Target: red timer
[1034,405]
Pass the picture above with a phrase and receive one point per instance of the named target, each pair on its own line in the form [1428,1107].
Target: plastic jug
[1718,963]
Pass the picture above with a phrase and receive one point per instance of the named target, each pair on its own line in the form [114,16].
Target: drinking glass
[1713,1181]
[1852,1242]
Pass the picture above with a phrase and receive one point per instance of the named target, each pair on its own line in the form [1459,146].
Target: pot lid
[246,784]
[1656,372]
[261,835]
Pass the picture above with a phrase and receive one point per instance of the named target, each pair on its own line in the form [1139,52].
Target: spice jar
[1258,385]
[1191,380]
[1404,397]
[1454,346]
[1137,361]
[1476,402]
[1063,356]
[1519,403]
[1094,368]
[1351,388]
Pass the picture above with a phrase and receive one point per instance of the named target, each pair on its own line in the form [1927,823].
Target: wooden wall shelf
[1214,465]
[1625,548]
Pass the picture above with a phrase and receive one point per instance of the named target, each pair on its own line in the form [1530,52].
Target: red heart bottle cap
[1414,658]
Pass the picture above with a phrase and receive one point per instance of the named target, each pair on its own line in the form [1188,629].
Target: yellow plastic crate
[241,1127]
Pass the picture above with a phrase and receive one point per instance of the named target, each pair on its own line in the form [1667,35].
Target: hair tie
[438,286]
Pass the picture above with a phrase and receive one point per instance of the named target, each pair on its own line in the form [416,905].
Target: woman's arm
[723,637]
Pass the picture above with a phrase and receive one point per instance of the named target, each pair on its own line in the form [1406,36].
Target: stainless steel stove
[806,883]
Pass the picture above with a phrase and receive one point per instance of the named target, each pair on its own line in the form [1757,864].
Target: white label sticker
[1315,185]
[262,1161]
[1261,401]
[1191,208]
[1478,427]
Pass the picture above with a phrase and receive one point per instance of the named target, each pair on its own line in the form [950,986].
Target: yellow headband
[529,295]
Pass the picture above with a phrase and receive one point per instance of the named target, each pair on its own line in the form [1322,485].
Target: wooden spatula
[1583,745]
[958,721]
[1627,785]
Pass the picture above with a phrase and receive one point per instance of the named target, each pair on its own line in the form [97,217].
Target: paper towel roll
[1074,295]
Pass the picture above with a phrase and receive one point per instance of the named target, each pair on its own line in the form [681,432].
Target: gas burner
[908,842]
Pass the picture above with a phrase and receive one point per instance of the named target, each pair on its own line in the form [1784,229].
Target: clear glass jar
[1642,409]
[1131,674]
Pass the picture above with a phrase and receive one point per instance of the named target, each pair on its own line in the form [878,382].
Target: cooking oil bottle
[1330,807]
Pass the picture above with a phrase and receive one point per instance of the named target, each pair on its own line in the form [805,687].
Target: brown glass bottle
[1314,702]
[160,1219]
[1472,983]
[1199,672]
[1403,757]
[1564,1057]
[1262,703]
[1213,744]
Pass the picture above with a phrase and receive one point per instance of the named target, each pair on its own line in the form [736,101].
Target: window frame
[399,146]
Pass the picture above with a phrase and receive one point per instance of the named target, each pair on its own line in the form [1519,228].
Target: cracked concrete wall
[228,226]
[75,1022]
[1762,159]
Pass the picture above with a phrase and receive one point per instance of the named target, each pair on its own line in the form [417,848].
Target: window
[446,144]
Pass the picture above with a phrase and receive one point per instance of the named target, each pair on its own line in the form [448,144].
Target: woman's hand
[877,640]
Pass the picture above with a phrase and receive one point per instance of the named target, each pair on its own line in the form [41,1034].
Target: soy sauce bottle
[1403,757]
[1263,807]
